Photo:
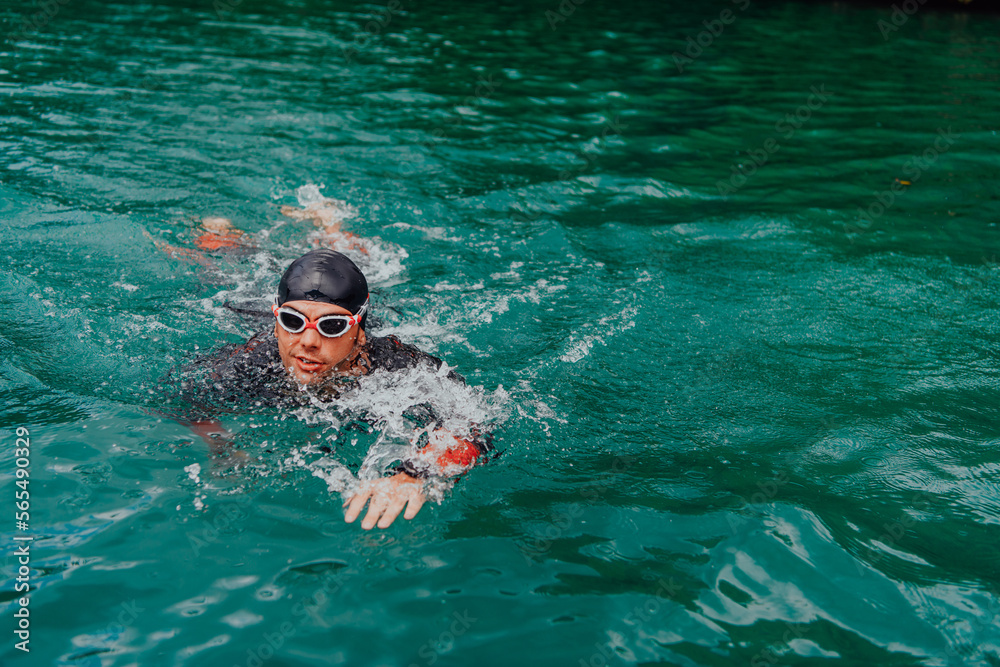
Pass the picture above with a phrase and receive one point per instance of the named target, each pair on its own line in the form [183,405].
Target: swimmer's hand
[388,496]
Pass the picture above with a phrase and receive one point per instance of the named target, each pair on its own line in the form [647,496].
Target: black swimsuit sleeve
[232,374]
[391,354]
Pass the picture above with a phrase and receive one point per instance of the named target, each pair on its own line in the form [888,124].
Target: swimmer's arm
[329,218]
[178,253]
[218,234]
[218,439]
[445,453]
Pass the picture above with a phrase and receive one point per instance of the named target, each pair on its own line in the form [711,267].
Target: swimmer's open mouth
[308,364]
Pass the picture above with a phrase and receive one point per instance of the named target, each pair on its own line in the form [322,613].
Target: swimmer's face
[309,355]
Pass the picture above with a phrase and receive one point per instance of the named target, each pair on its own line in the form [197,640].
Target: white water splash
[387,399]
[433,233]
[194,474]
[380,261]
[579,347]
[311,199]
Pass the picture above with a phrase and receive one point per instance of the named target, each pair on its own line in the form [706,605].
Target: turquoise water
[746,415]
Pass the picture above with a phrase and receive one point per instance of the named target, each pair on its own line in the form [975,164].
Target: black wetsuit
[251,374]
[241,376]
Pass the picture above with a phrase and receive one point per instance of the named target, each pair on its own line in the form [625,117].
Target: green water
[741,424]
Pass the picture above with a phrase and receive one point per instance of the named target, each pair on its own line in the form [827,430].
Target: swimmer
[319,339]
[218,234]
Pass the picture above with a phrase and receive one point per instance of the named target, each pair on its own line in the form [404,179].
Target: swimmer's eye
[335,325]
[291,322]
[331,326]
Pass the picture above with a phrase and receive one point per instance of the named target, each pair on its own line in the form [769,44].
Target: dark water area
[911,7]
[723,275]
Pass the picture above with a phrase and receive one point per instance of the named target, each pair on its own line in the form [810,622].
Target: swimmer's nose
[310,338]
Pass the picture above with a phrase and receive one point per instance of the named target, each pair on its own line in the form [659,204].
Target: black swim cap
[327,276]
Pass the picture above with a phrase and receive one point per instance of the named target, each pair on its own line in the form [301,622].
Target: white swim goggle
[331,326]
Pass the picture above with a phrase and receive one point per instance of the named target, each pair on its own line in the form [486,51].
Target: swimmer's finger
[391,512]
[416,503]
[375,508]
[357,504]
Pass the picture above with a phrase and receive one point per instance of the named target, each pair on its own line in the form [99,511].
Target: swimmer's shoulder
[391,354]
[232,375]
[259,353]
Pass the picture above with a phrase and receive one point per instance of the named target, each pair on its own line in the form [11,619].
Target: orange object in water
[215,240]
[464,456]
